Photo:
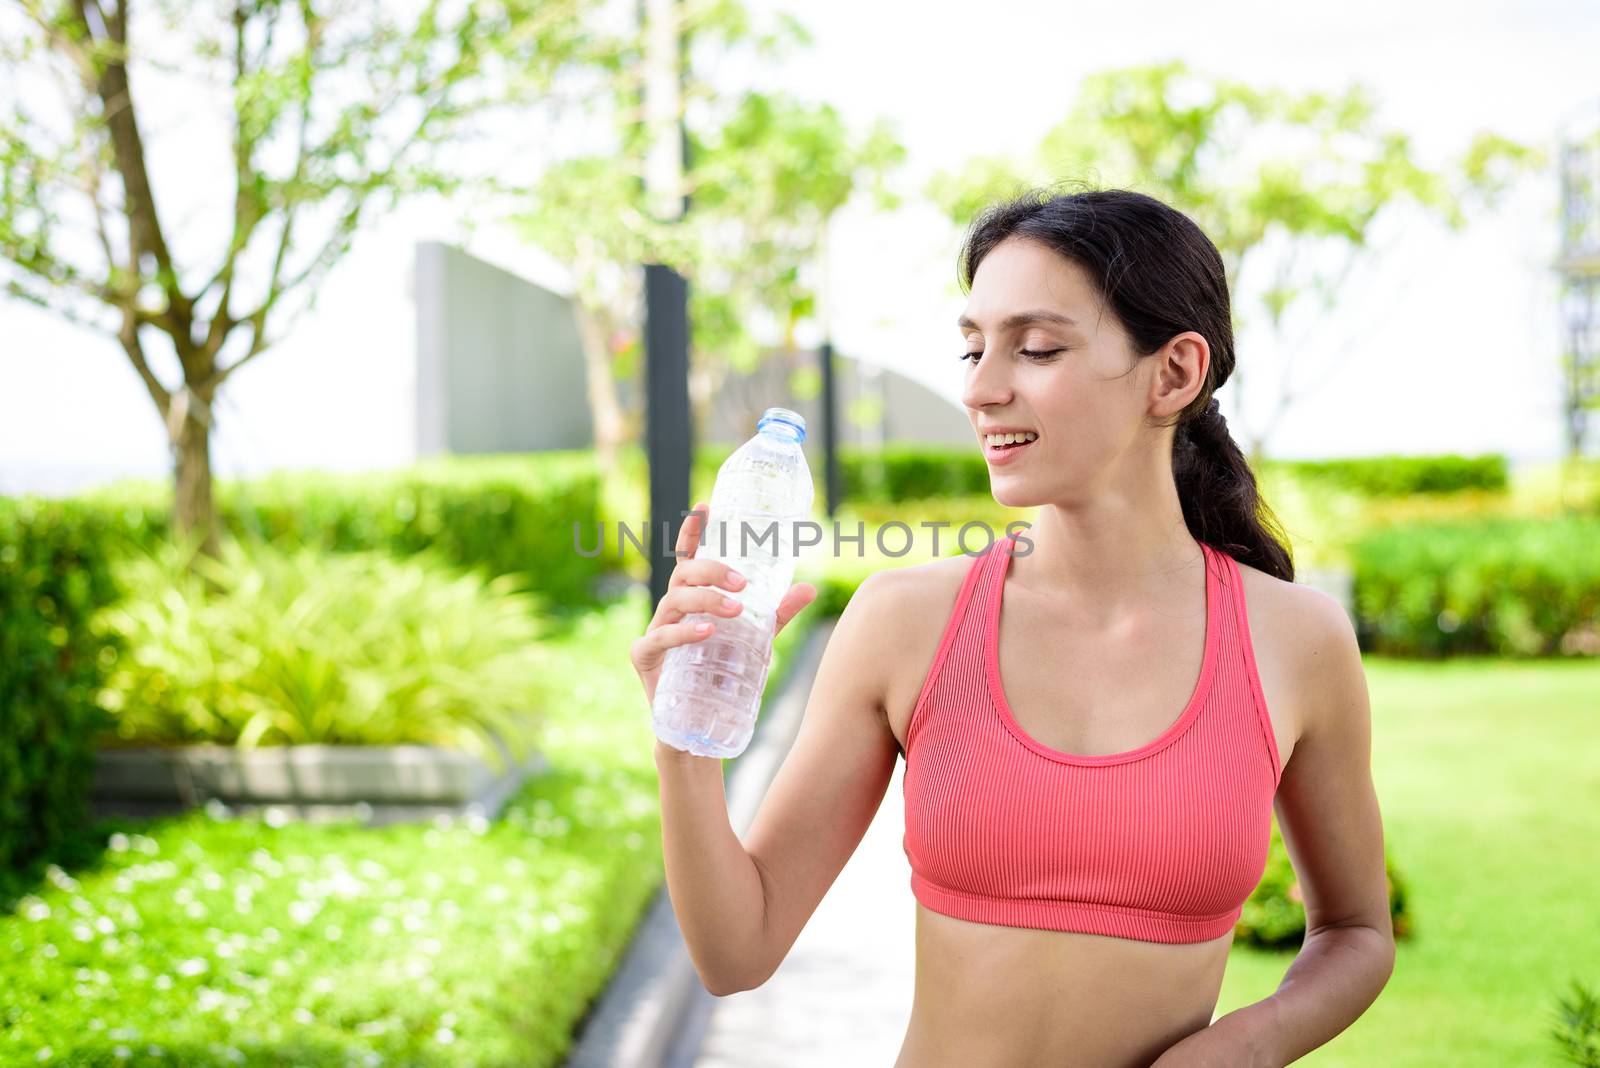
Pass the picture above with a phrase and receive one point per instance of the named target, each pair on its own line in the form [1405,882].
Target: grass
[1488,784]
[202,940]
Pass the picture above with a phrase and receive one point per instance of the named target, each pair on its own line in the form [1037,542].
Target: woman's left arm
[1328,815]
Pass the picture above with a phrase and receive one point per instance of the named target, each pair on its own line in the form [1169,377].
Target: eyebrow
[1020,319]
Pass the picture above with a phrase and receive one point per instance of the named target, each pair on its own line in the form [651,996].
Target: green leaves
[1507,586]
[1295,180]
[311,647]
[1238,159]
[764,172]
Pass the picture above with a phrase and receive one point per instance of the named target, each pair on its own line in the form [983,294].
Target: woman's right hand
[692,588]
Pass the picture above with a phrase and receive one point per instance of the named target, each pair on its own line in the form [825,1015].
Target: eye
[1030,353]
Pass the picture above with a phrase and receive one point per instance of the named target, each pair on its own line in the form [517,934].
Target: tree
[764,172]
[1198,142]
[336,112]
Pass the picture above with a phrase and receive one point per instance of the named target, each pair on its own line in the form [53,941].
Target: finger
[679,602]
[689,532]
[705,572]
[798,596]
[650,647]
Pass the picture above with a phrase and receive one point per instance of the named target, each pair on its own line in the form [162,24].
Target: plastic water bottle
[709,691]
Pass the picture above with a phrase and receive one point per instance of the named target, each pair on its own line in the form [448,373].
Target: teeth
[1007,439]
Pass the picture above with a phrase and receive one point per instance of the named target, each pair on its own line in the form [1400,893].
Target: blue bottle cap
[785,416]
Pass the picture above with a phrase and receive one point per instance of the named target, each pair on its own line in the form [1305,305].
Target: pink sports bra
[1162,843]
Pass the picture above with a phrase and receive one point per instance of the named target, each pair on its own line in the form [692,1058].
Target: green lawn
[1489,780]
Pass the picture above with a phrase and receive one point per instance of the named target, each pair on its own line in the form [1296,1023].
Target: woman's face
[1077,385]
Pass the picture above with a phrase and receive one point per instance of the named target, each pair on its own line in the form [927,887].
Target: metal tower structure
[1579,268]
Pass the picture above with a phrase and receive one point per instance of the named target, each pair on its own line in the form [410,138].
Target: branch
[54,307]
[331,250]
[129,336]
[247,208]
[337,243]
[93,173]
[244,220]
[145,236]
[61,275]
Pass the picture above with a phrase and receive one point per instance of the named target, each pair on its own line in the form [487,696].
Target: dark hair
[1161,275]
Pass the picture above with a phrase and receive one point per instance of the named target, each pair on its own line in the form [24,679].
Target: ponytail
[1221,504]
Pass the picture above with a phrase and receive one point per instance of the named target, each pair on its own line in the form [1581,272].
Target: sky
[1440,341]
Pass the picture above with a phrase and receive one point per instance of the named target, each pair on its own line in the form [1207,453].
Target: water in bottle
[709,691]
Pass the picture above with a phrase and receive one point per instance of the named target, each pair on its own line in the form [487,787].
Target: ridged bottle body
[709,693]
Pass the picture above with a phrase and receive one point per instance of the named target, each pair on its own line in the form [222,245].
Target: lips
[1002,454]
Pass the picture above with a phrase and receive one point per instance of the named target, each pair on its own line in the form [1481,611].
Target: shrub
[1577,1029]
[896,472]
[311,647]
[1401,476]
[1500,586]
[1274,916]
[507,514]
[905,472]
[53,578]
[510,515]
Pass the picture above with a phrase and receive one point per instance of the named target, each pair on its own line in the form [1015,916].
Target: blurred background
[331,334]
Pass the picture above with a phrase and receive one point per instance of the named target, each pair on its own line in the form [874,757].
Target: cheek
[1081,431]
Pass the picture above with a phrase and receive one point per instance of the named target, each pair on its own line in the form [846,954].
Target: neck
[1112,551]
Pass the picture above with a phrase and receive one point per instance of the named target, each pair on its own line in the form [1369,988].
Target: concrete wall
[499,363]
[500,369]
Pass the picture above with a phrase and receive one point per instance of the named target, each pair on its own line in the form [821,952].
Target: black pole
[830,430]
[668,433]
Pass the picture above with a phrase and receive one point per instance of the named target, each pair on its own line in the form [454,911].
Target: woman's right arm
[714,885]
[740,905]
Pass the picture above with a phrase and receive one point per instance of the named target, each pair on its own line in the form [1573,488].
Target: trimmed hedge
[503,513]
[903,472]
[908,472]
[1499,586]
[53,576]
[911,472]
[1400,476]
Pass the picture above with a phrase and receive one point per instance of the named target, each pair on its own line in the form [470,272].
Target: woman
[1091,769]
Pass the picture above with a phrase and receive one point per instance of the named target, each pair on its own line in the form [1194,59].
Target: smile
[1004,454]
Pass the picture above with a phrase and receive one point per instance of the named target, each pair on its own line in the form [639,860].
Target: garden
[371,612]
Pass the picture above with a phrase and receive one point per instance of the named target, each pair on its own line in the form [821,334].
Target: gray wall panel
[499,361]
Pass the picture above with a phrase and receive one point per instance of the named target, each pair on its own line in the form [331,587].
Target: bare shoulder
[1304,644]
[906,609]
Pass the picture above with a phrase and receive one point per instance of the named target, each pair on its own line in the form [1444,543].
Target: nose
[988,383]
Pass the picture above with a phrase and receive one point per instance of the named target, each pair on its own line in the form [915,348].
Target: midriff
[990,996]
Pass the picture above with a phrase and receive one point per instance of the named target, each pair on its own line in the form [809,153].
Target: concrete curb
[653,1011]
[376,784]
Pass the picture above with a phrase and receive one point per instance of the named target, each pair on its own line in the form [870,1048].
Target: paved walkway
[842,997]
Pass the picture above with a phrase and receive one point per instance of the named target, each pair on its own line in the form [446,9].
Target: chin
[1012,496]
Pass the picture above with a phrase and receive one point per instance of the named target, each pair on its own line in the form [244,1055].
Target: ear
[1180,373]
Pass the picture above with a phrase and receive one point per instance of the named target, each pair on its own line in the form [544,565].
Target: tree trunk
[609,425]
[193,508]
